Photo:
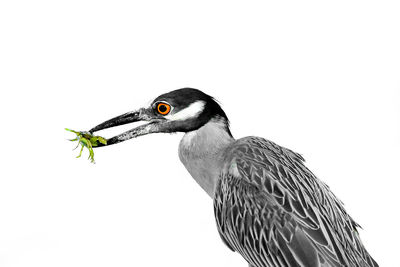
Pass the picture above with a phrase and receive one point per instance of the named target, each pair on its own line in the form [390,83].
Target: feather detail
[275,212]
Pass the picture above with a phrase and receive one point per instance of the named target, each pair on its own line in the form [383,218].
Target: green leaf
[72,131]
[102,140]
[93,140]
[85,142]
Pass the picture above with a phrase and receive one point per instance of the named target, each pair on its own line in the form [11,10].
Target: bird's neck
[201,152]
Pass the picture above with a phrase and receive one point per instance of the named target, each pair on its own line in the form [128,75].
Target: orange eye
[163,108]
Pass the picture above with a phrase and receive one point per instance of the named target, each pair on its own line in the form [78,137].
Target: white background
[320,78]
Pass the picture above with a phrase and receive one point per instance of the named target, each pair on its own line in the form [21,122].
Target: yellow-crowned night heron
[268,205]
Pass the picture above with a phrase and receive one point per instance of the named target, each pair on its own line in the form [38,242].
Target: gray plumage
[268,205]
[273,210]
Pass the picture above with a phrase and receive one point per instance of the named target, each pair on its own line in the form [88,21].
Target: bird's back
[272,209]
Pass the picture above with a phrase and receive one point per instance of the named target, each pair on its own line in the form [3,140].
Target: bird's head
[182,110]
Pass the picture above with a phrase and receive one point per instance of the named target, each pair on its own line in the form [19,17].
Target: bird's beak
[142,114]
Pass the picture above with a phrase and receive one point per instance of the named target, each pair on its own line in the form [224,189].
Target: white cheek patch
[192,111]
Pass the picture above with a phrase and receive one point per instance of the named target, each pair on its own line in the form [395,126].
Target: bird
[269,207]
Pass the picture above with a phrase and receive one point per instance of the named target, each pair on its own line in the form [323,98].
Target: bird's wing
[270,208]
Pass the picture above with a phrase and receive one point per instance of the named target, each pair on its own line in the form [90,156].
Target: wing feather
[272,209]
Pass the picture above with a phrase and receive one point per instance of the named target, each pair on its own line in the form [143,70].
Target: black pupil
[162,108]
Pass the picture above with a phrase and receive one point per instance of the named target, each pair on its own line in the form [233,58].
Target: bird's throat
[201,152]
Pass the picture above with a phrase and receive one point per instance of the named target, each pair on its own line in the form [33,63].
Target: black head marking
[182,98]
